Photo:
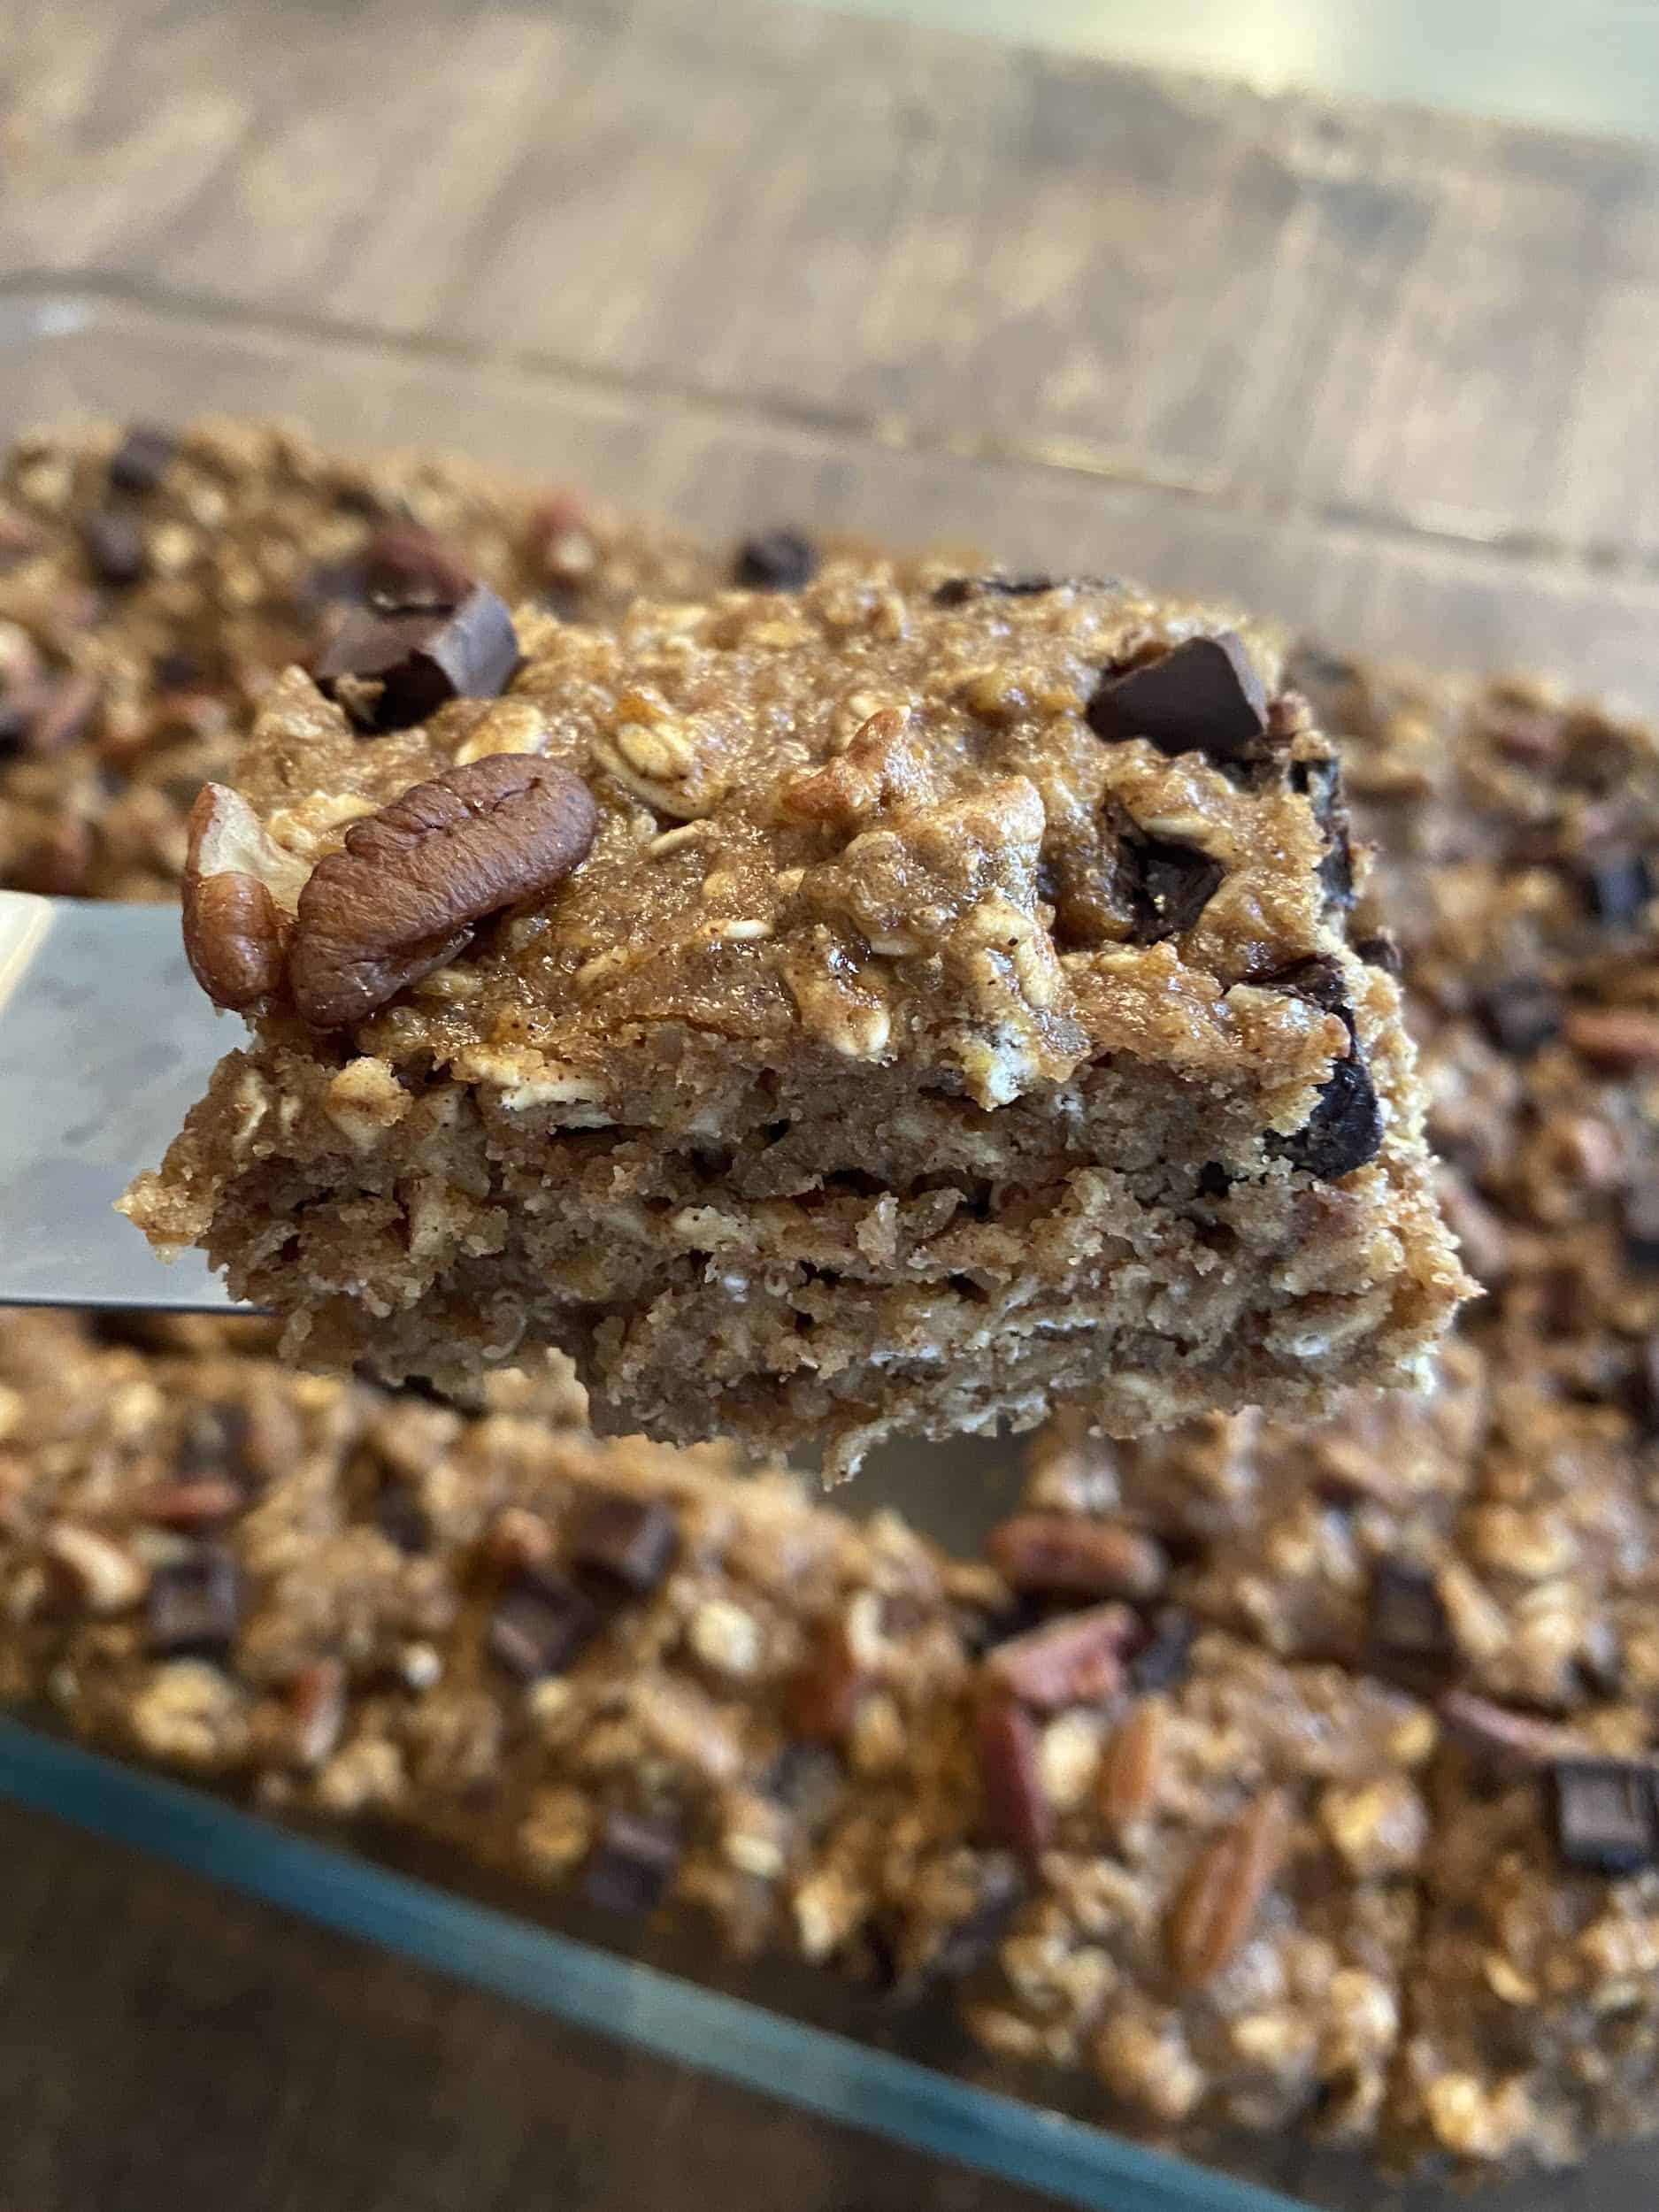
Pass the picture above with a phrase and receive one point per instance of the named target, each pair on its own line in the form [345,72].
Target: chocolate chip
[631,1865]
[1605,1814]
[1345,1129]
[1214,1180]
[1618,884]
[391,670]
[1177,883]
[143,458]
[1203,696]
[777,560]
[401,1519]
[1381,949]
[1319,779]
[1165,885]
[538,1624]
[956,591]
[973,1937]
[810,1779]
[178,671]
[623,1545]
[1319,980]
[1519,1015]
[17,719]
[1163,1659]
[195,1606]
[116,548]
[1641,1223]
[1409,1630]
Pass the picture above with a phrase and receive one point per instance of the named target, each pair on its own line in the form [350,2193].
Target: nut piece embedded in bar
[1072,1661]
[1224,1890]
[397,900]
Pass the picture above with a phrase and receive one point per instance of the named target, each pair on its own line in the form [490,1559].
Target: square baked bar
[892,1005]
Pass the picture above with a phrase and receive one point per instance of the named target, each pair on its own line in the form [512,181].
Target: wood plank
[1380,309]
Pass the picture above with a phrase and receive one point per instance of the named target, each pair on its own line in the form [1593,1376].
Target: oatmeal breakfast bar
[893,1005]
[1531,2030]
[603,1667]
[1504,1533]
[152,582]
[1221,1891]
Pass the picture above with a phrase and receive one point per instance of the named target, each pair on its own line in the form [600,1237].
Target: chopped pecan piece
[1016,1807]
[1224,1890]
[1073,1661]
[1131,1768]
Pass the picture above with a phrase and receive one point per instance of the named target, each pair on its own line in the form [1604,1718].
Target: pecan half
[1073,1661]
[1224,1889]
[398,900]
[1060,1551]
[238,888]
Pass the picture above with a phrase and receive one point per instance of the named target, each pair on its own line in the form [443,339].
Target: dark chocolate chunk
[115,547]
[178,671]
[983,1627]
[538,1624]
[810,1779]
[631,1865]
[1214,1180]
[1381,949]
[956,591]
[777,560]
[143,458]
[17,719]
[1346,1128]
[973,1939]
[215,1439]
[1519,1015]
[391,669]
[1203,696]
[402,1518]
[1605,1814]
[1177,882]
[1319,779]
[623,1545]
[1162,1660]
[1641,1223]
[195,1606]
[1319,980]
[1618,884]
[1408,1626]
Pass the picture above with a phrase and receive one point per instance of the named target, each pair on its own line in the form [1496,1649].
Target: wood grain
[1372,313]
[1383,311]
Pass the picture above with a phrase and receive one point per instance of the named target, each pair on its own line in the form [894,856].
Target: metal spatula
[105,1040]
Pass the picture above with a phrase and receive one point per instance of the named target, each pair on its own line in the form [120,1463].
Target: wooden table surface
[1448,326]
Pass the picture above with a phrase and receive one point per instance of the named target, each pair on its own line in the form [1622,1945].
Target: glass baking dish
[1415,586]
